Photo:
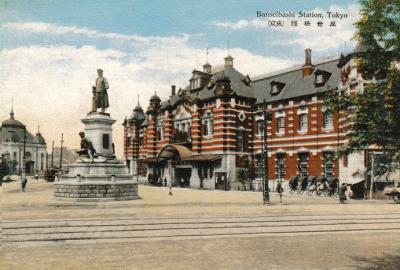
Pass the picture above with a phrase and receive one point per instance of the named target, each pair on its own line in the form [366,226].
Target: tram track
[144,229]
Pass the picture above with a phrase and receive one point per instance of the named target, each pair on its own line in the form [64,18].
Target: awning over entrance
[171,151]
[205,157]
[152,160]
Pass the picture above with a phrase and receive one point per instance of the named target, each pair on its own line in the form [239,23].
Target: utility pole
[265,154]
[61,150]
[52,155]
[371,187]
[23,176]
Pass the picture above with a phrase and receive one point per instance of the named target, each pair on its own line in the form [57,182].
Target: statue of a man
[100,96]
[87,148]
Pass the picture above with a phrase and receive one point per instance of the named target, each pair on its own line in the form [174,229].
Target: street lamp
[23,176]
[266,116]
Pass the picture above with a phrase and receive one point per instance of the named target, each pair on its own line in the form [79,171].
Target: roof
[12,123]
[296,85]
[237,83]
[259,88]
[15,134]
[170,150]
[39,139]
[205,157]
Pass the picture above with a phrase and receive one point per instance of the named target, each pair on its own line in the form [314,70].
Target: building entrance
[182,176]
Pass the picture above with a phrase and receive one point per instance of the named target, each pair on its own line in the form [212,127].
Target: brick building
[209,133]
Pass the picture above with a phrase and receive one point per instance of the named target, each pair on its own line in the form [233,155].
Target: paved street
[196,230]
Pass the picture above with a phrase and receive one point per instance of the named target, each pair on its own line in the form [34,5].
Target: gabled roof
[295,84]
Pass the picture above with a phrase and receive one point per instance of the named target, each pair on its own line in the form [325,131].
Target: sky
[50,51]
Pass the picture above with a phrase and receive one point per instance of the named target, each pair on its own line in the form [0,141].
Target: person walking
[342,193]
[170,190]
[279,189]
[23,183]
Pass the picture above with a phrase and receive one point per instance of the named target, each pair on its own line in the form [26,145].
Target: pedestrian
[165,181]
[23,183]
[159,182]
[170,190]
[280,190]
[342,193]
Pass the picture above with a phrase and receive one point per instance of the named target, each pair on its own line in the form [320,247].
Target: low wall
[92,191]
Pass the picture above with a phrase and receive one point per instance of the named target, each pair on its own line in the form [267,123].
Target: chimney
[173,92]
[308,68]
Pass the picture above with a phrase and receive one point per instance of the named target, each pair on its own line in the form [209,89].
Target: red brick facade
[216,126]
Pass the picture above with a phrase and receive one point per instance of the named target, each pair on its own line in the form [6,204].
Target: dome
[155,97]
[12,123]
[38,139]
[138,114]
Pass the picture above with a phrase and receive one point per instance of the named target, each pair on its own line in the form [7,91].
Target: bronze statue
[100,96]
[87,148]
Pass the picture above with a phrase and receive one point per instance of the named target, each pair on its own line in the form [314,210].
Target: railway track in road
[44,232]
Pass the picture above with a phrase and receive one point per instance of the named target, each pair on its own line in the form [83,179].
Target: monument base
[95,191]
[99,181]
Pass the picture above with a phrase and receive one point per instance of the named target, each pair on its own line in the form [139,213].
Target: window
[274,89]
[327,120]
[260,128]
[303,164]
[319,79]
[240,139]
[160,129]
[208,125]
[303,122]
[15,156]
[280,159]
[280,122]
[328,166]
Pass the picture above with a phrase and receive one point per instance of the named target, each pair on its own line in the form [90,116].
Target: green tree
[375,111]
[3,167]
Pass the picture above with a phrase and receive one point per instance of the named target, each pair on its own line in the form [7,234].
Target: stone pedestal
[104,179]
[98,128]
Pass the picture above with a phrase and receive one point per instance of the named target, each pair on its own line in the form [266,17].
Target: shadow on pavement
[384,262]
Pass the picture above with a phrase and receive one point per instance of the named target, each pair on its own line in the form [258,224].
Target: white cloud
[320,39]
[51,86]
[49,28]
